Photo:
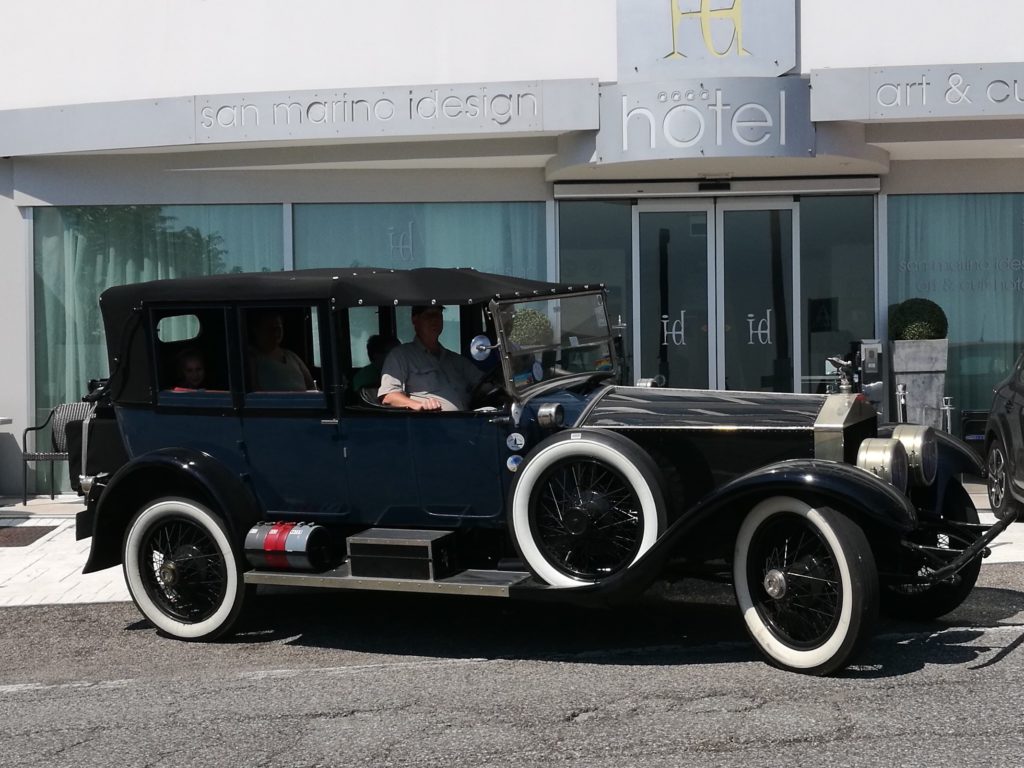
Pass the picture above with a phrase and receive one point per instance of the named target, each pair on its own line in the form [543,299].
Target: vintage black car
[559,484]
[1004,444]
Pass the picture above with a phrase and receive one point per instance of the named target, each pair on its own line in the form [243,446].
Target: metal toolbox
[402,554]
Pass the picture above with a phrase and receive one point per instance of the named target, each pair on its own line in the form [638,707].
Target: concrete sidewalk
[49,570]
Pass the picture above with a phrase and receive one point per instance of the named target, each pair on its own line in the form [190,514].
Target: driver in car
[424,376]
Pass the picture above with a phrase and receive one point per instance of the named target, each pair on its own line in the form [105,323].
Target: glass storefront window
[507,238]
[837,281]
[595,244]
[80,251]
[966,253]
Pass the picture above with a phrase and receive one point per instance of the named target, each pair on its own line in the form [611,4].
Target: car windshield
[554,338]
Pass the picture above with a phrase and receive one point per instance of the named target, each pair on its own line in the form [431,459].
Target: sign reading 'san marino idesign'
[663,39]
[764,117]
[471,108]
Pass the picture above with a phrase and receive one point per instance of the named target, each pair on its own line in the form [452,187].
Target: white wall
[873,33]
[69,51]
[16,365]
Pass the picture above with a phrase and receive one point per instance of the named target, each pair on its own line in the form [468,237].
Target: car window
[282,354]
[191,356]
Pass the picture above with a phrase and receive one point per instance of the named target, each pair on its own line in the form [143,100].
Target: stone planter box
[921,365]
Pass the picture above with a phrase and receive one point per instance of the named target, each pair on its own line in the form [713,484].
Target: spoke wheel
[929,601]
[586,519]
[181,569]
[806,584]
[585,506]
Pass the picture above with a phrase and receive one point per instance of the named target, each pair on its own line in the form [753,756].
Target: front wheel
[1000,476]
[181,569]
[806,584]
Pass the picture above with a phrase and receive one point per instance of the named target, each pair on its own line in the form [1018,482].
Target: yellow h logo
[706,14]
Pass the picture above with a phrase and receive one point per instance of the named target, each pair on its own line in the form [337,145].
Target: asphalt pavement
[48,570]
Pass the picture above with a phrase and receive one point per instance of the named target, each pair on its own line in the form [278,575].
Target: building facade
[756,181]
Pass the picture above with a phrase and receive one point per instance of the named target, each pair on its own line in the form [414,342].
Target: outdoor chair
[58,418]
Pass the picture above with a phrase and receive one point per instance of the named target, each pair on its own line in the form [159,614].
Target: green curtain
[80,251]
[965,252]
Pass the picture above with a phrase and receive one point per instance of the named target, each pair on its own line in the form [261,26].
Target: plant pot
[921,365]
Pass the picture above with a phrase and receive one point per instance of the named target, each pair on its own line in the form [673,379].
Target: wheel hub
[168,573]
[591,507]
[775,583]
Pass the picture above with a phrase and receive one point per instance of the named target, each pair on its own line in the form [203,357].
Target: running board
[471,582]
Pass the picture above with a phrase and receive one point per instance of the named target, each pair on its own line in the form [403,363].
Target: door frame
[759,204]
[715,208]
[684,205]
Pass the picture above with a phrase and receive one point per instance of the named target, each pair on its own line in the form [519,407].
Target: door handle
[329,422]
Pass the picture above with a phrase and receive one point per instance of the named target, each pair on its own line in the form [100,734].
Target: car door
[436,470]
[294,453]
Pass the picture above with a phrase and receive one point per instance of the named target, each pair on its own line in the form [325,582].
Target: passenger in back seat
[377,348]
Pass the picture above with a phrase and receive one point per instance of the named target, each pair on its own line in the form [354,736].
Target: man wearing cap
[424,376]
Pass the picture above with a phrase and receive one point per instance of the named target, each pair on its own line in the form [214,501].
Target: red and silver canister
[288,546]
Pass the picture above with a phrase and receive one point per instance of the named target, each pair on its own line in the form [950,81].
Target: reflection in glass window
[837,280]
[595,244]
[79,251]
[966,253]
[506,238]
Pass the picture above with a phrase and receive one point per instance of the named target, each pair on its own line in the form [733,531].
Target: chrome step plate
[471,582]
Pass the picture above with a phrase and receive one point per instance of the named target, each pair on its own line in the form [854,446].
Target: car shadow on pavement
[655,630]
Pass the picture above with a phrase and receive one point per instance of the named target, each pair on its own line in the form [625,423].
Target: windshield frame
[505,347]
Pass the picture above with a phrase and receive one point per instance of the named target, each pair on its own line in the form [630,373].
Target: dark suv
[558,483]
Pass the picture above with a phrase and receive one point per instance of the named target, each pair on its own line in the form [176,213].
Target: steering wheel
[488,390]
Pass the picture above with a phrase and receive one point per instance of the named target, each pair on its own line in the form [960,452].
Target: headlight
[886,459]
[922,452]
[550,415]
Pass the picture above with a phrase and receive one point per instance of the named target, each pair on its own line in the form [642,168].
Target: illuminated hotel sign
[665,39]
[731,117]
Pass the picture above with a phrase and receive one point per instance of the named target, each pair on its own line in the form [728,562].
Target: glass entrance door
[673,256]
[713,305]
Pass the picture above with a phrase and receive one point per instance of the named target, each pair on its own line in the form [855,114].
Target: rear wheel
[806,584]
[182,571]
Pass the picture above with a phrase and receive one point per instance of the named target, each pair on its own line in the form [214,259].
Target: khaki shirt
[449,377]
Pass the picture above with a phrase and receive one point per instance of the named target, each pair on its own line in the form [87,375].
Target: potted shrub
[920,347]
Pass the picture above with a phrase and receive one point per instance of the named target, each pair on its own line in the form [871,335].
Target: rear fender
[167,472]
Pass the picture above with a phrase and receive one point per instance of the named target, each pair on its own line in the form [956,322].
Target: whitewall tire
[586,505]
[806,584]
[181,569]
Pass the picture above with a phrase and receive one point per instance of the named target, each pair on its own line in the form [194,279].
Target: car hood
[646,407]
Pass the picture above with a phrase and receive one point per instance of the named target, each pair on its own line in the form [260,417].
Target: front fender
[954,455]
[167,472]
[853,491]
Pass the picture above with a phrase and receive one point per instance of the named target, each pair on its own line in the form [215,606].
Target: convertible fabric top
[352,287]
[346,287]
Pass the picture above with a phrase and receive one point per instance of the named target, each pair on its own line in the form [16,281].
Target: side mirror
[480,348]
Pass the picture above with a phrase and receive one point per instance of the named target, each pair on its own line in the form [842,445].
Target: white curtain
[966,253]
